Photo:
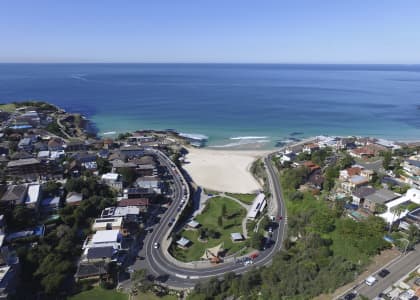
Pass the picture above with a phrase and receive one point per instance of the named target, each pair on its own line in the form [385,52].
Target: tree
[380,208]
[346,161]
[104,166]
[265,222]
[220,221]
[129,176]
[255,240]
[396,212]
[224,210]
[387,157]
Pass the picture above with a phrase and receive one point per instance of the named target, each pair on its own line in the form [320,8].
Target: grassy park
[98,293]
[244,198]
[221,216]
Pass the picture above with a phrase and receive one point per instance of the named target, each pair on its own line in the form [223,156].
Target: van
[370,280]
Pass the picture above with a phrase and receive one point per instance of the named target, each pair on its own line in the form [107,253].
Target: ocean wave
[194,136]
[109,132]
[241,143]
[248,137]
[79,77]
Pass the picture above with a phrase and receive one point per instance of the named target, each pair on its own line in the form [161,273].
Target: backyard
[221,217]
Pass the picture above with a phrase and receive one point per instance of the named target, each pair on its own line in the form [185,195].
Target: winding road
[180,275]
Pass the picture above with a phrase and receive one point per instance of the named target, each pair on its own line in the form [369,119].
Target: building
[50,205]
[149,183]
[128,213]
[379,197]
[104,238]
[183,242]
[14,195]
[412,218]
[258,206]
[359,194]
[25,167]
[113,180]
[33,196]
[354,182]
[412,195]
[107,224]
[412,167]
[309,148]
[25,144]
[236,237]
[138,193]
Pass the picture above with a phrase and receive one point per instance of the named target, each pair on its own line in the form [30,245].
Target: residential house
[25,167]
[141,203]
[412,195]
[14,195]
[349,172]
[50,205]
[131,193]
[354,182]
[56,144]
[412,218]
[128,213]
[107,224]
[33,196]
[316,180]
[379,197]
[412,166]
[113,180]
[26,144]
[359,194]
[309,148]
[149,182]
[311,166]
[362,152]
[75,145]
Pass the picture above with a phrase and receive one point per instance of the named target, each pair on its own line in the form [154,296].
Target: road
[398,268]
[178,275]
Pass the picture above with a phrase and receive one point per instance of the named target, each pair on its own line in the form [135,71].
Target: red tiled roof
[134,202]
[353,171]
[309,164]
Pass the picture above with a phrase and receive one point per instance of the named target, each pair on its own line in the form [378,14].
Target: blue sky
[279,31]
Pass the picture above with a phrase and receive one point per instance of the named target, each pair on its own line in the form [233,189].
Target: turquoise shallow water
[232,104]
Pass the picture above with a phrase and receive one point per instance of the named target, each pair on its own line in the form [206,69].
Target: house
[311,166]
[103,238]
[113,180]
[412,218]
[309,148]
[107,224]
[127,213]
[360,193]
[49,205]
[74,198]
[354,182]
[25,167]
[412,167]
[349,172]
[33,196]
[141,203]
[138,193]
[362,152]
[390,216]
[56,144]
[367,173]
[287,157]
[379,197]
[149,182]
[25,144]
[75,145]
[14,195]
[8,280]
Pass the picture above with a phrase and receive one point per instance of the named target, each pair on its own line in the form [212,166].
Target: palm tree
[396,211]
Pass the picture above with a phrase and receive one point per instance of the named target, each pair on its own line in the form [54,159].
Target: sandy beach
[223,170]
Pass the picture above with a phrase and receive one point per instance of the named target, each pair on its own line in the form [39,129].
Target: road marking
[194,277]
[181,276]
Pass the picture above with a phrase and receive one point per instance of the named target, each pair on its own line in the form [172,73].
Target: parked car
[383,273]
[350,296]
[370,280]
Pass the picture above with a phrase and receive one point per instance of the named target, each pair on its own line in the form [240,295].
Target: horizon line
[212,63]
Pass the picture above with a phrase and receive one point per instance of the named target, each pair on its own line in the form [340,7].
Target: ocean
[232,104]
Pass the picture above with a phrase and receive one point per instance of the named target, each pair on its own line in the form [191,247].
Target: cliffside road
[180,275]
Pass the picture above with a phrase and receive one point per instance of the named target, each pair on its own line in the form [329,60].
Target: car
[350,296]
[417,281]
[383,273]
[156,245]
[370,280]
[270,229]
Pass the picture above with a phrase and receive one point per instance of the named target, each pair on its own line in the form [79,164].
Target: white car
[370,280]
[156,245]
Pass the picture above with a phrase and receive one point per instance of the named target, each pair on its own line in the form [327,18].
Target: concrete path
[247,207]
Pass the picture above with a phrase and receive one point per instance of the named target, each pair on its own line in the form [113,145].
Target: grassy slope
[100,294]
[245,198]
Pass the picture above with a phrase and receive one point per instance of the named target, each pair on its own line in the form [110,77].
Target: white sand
[223,170]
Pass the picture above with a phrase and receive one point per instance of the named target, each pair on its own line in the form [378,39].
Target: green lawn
[208,219]
[8,107]
[245,198]
[98,293]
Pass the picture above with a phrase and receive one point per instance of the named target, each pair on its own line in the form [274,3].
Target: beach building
[258,206]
